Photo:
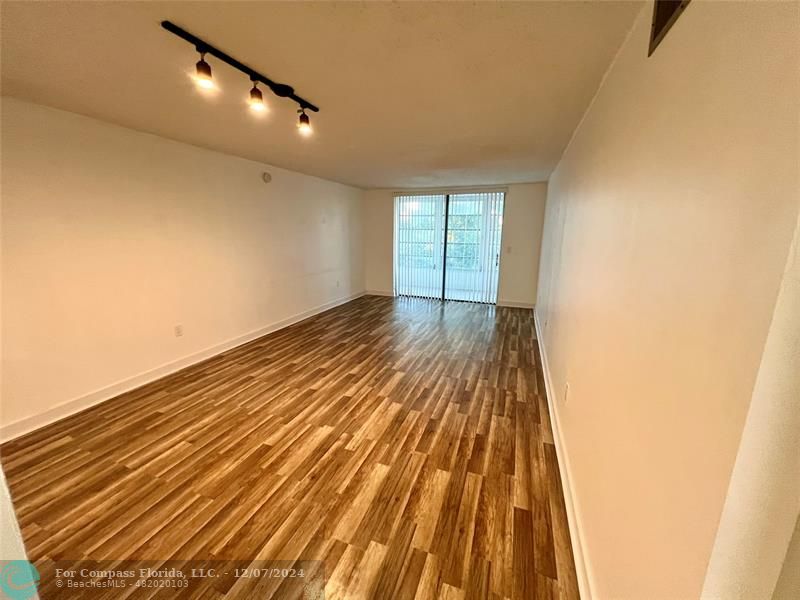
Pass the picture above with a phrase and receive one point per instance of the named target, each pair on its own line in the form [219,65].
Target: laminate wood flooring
[405,443]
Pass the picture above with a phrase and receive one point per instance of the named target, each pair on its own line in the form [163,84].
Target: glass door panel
[419,245]
[474,228]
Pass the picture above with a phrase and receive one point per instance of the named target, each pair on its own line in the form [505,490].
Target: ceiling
[412,94]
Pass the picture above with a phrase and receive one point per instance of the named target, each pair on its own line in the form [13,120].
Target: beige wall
[668,224]
[522,230]
[111,238]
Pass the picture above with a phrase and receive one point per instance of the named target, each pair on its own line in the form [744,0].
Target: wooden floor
[406,443]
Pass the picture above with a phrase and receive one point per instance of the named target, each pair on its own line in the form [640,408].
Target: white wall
[523,220]
[112,237]
[522,229]
[12,548]
[378,240]
[668,224]
[788,586]
[11,545]
[763,501]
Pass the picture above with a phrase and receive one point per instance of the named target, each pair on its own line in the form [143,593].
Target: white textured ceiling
[412,94]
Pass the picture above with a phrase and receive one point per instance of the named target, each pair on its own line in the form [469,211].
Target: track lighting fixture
[203,73]
[256,99]
[304,124]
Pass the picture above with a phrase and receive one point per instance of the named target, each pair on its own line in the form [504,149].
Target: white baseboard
[575,530]
[515,304]
[378,293]
[17,428]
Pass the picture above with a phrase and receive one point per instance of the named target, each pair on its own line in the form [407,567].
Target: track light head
[203,73]
[256,100]
[304,123]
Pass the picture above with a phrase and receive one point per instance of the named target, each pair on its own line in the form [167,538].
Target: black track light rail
[279,89]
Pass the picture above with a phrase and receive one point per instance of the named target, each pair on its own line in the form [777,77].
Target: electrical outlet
[566,392]
[338,283]
[178,330]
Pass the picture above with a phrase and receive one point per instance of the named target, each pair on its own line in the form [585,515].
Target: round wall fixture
[266,177]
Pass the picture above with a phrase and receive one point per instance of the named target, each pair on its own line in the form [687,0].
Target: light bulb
[203,74]
[256,100]
[304,125]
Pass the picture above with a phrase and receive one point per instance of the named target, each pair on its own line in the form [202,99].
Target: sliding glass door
[447,246]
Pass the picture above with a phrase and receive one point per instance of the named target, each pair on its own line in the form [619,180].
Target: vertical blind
[448,245]
[419,243]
